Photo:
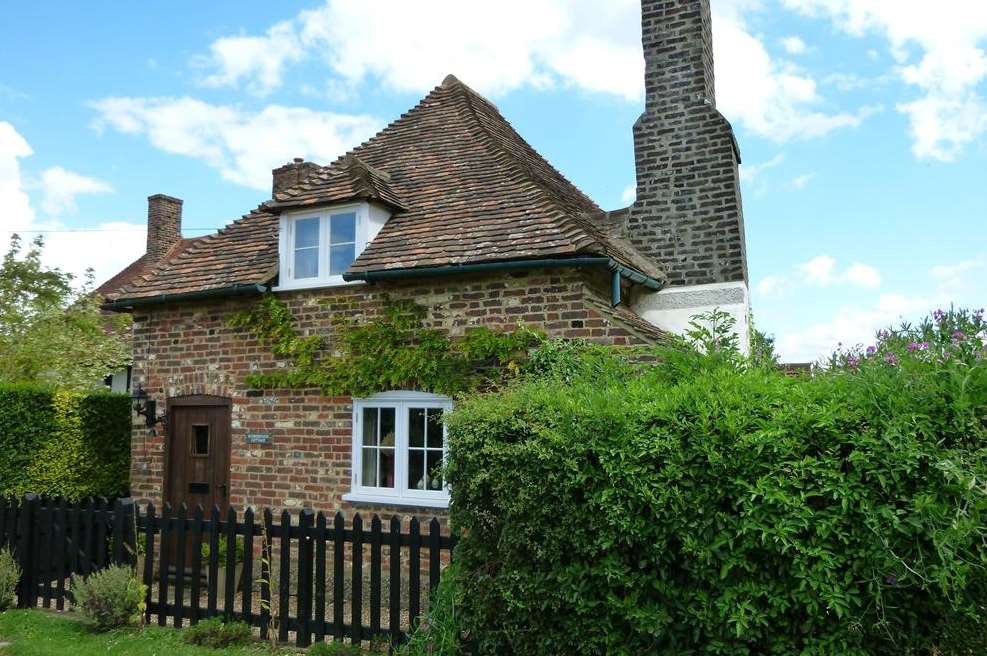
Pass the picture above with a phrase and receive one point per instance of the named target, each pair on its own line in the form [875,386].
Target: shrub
[221,551]
[707,507]
[438,635]
[60,443]
[111,597]
[10,576]
[334,649]
[218,634]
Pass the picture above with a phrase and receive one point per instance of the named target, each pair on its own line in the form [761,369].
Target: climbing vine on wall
[392,350]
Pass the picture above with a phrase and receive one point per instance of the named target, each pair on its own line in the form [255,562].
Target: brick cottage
[450,208]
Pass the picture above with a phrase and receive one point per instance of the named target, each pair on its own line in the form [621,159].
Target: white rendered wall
[673,308]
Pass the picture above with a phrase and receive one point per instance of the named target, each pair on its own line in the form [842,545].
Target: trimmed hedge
[62,443]
[700,508]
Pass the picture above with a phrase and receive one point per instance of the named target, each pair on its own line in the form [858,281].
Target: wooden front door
[198,453]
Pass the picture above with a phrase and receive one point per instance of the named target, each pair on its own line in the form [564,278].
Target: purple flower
[871,350]
[938,315]
[958,336]
[891,359]
[884,334]
[979,314]
[918,346]
[913,347]
[853,361]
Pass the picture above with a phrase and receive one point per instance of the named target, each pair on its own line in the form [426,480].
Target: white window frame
[400,494]
[286,244]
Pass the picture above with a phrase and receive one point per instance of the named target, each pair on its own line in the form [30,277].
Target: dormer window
[317,246]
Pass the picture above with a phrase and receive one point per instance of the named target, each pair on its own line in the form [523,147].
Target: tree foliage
[52,331]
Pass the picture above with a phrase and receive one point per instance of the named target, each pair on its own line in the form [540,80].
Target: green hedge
[63,443]
[700,508]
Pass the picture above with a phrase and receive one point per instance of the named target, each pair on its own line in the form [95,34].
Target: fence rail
[306,579]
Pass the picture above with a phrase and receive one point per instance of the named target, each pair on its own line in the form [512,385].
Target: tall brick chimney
[688,213]
[164,225]
[291,174]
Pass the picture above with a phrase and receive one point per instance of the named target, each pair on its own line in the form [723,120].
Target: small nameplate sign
[258,438]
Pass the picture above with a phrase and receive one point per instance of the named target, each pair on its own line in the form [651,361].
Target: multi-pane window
[399,449]
[317,247]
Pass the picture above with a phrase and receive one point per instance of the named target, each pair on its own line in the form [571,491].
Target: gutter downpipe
[618,271]
[235,290]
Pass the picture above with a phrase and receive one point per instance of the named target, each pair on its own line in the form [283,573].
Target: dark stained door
[198,453]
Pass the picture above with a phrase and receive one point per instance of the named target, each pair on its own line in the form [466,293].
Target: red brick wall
[190,348]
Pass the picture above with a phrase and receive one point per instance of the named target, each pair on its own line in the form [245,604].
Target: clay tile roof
[463,185]
[135,270]
[348,179]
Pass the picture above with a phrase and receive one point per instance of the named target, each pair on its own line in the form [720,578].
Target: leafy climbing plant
[391,350]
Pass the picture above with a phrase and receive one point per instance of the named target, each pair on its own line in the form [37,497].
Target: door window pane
[200,440]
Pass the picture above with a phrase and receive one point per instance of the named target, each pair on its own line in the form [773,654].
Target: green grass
[42,633]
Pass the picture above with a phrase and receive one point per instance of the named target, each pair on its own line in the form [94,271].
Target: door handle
[222,487]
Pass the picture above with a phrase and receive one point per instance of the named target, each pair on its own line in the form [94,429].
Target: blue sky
[862,124]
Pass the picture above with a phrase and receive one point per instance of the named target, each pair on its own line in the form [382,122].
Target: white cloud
[260,60]
[771,285]
[802,181]
[629,194]
[767,97]
[242,146]
[949,74]
[961,277]
[851,326]
[751,172]
[592,46]
[60,188]
[822,272]
[794,45]
[107,248]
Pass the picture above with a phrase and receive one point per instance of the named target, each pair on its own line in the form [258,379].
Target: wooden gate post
[27,591]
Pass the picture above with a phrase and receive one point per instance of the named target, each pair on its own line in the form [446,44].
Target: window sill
[384,499]
[317,284]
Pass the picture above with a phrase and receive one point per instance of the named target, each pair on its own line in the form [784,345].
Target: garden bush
[110,598]
[63,443]
[218,634]
[708,506]
[334,649]
[10,575]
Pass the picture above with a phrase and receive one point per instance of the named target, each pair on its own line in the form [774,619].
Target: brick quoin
[190,348]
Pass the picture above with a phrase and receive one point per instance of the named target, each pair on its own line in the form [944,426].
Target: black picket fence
[313,578]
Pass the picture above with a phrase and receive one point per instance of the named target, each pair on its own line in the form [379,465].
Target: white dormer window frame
[308,239]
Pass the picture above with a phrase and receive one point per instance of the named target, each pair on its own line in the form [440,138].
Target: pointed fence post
[26,590]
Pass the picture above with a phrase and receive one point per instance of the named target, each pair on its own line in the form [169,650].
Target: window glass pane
[387,427]
[369,477]
[386,472]
[342,228]
[307,233]
[340,258]
[435,428]
[200,440]
[416,470]
[307,263]
[416,427]
[434,470]
[370,426]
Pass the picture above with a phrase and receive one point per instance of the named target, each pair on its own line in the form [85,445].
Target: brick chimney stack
[291,174]
[164,225]
[688,213]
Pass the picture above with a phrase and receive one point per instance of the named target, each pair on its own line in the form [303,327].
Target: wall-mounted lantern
[146,407]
